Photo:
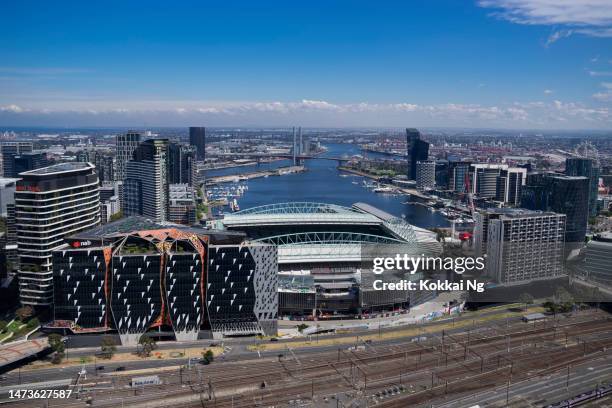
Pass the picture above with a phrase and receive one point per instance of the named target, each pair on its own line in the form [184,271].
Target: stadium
[325,252]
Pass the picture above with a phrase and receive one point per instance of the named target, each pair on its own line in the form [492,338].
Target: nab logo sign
[79,244]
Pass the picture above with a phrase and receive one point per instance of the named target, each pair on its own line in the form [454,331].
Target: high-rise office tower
[50,204]
[459,171]
[484,178]
[510,183]
[442,174]
[425,175]
[524,246]
[416,150]
[182,167]
[30,161]
[145,186]
[126,144]
[197,138]
[579,166]
[7,212]
[7,193]
[562,194]
[8,151]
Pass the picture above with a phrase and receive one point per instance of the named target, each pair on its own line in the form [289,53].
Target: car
[99,368]
[273,339]
[120,368]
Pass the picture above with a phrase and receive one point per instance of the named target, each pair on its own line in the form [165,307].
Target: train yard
[438,369]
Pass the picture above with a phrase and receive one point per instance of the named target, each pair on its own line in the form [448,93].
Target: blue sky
[489,63]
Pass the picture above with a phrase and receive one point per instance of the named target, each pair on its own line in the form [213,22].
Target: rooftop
[136,223]
[59,168]
[6,181]
[300,213]
[518,212]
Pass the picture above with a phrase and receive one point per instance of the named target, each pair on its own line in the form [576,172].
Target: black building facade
[561,194]
[416,150]
[584,167]
[197,138]
[165,280]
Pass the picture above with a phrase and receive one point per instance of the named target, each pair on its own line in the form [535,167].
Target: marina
[322,181]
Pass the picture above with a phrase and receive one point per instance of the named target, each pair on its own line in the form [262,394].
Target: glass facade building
[562,194]
[577,166]
[416,150]
[197,138]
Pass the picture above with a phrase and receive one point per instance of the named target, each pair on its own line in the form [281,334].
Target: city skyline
[516,64]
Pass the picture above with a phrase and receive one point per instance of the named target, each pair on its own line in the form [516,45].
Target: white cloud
[557,35]
[606,94]
[603,96]
[11,108]
[533,114]
[586,17]
[548,91]
[600,73]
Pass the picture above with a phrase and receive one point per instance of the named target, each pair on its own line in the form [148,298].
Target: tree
[58,347]
[107,347]
[32,323]
[562,302]
[24,313]
[526,299]
[116,216]
[207,357]
[564,299]
[3,325]
[148,345]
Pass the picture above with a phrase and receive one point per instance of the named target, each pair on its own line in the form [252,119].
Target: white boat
[384,190]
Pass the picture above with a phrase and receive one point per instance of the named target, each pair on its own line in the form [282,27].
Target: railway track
[442,366]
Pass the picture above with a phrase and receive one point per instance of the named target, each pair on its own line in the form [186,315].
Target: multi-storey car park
[324,254]
[133,277]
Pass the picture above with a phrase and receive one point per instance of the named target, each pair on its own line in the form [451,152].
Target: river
[322,182]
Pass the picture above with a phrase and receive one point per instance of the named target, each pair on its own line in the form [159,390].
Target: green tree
[24,313]
[107,347]
[58,347]
[526,299]
[32,323]
[562,301]
[116,216]
[207,357]
[148,344]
